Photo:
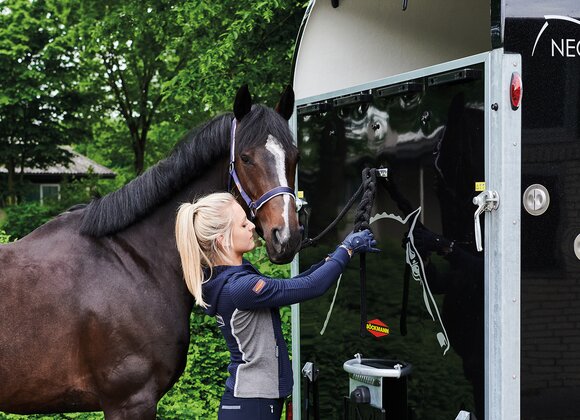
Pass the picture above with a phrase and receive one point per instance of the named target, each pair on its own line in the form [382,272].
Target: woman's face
[242,233]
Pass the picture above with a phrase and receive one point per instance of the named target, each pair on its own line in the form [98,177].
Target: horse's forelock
[259,124]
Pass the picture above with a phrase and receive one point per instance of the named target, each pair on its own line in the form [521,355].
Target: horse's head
[264,161]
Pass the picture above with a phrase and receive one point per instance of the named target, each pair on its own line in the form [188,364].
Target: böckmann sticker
[377,328]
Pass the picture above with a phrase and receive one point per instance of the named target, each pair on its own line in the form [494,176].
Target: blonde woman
[212,234]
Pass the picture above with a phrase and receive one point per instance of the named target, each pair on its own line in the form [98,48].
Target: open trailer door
[446,131]
[432,130]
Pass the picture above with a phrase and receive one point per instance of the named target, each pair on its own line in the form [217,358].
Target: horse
[95,308]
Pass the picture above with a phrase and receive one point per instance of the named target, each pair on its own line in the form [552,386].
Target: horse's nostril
[276,240]
[276,236]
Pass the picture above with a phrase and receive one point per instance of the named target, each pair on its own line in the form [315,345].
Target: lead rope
[314,241]
[361,222]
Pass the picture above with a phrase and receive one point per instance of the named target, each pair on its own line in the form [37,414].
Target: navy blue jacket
[245,304]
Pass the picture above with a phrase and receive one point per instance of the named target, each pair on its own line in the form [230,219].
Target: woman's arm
[252,291]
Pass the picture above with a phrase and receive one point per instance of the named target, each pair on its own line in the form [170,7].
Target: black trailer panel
[431,140]
[550,281]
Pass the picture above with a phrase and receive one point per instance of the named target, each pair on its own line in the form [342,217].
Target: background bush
[4,237]
[21,219]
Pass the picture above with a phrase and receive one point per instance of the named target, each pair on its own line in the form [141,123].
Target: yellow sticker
[480,186]
[301,194]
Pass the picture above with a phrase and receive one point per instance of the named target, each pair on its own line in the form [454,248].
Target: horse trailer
[471,111]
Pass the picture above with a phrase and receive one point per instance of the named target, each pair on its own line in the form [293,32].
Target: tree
[175,64]
[248,42]
[130,49]
[39,94]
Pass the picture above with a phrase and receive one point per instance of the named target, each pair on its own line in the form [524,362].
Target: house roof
[79,165]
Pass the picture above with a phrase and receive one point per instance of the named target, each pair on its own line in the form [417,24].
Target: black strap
[405,303]
[363,293]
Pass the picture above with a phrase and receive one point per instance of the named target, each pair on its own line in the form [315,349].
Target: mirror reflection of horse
[95,312]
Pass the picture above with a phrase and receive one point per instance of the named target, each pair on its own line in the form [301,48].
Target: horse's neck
[155,234]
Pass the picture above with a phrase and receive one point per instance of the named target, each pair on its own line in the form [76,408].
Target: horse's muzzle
[282,245]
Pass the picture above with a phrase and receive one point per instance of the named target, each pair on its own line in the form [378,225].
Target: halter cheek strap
[254,206]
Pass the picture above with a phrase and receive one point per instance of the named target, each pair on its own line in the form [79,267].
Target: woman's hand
[358,242]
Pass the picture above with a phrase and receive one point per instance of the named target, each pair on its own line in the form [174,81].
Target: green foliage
[4,237]
[40,103]
[23,218]
[247,42]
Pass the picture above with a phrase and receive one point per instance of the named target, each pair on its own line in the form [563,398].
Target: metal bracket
[310,371]
[383,172]
[487,200]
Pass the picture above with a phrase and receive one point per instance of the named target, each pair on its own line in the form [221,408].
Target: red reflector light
[516,90]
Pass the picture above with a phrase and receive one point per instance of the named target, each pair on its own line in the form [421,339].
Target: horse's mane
[198,150]
[190,158]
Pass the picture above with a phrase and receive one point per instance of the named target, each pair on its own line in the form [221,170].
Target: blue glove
[362,241]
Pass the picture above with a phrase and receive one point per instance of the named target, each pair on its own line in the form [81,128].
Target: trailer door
[440,132]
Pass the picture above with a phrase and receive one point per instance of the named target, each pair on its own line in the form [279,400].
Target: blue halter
[254,206]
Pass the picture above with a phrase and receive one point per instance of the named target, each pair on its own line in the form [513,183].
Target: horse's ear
[286,105]
[242,103]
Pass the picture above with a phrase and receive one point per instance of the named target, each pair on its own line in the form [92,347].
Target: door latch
[487,200]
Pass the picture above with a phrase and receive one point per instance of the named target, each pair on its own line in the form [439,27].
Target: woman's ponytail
[189,251]
[197,229]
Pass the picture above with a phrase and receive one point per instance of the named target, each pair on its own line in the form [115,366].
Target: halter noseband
[254,206]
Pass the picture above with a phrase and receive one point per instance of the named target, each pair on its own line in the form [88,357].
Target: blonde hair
[198,227]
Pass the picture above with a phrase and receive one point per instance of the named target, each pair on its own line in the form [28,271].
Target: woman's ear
[220,241]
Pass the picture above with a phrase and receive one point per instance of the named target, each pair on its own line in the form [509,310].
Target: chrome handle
[487,200]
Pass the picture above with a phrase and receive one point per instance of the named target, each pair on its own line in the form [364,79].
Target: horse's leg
[134,413]
[129,389]
[141,405]
[139,412]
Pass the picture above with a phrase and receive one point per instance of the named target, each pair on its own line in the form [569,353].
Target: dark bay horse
[95,311]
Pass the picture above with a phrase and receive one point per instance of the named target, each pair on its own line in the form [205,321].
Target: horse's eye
[245,158]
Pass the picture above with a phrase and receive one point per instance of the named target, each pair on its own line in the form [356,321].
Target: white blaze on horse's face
[273,146]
